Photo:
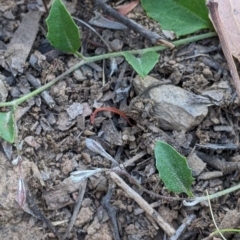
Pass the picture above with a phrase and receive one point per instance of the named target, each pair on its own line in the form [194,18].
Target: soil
[52,133]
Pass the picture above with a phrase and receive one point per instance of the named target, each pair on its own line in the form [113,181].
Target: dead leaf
[225,16]
[127,8]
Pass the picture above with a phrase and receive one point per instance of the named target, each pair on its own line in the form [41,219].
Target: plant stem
[152,49]
[43,88]
[101,57]
[197,200]
[78,54]
[231,230]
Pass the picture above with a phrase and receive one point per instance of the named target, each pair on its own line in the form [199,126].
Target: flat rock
[175,108]
[196,164]
[3,92]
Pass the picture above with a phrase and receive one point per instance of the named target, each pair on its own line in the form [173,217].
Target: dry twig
[76,209]
[143,204]
[182,228]
[111,211]
[153,37]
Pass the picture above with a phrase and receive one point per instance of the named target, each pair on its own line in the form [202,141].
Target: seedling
[173,169]
[176,174]
[182,17]
[63,34]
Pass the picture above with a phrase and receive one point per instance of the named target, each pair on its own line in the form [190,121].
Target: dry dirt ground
[53,130]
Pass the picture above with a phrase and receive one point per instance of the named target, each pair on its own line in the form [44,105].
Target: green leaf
[63,33]
[144,64]
[7,131]
[173,169]
[181,16]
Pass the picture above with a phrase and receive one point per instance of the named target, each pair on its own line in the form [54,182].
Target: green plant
[63,34]
[181,16]
[176,174]
[173,169]
[60,21]
[57,23]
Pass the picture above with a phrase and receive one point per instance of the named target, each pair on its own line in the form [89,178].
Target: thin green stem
[43,88]
[197,200]
[101,57]
[152,49]
[80,56]
[226,230]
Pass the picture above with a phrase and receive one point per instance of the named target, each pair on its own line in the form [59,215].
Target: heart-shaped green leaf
[173,169]
[7,131]
[63,33]
[144,64]
[181,16]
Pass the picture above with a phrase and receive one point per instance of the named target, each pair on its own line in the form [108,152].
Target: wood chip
[21,43]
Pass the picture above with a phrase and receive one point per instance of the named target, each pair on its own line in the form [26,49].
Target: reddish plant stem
[110,109]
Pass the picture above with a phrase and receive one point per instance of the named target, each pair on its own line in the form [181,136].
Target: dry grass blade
[97,148]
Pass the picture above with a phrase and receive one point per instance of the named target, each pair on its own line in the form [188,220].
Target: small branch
[182,228]
[39,214]
[224,166]
[111,211]
[132,160]
[138,211]
[45,6]
[76,208]
[153,37]
[143,204]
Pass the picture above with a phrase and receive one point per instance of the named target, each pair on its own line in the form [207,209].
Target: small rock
[215,182]
[74,110]
[87,111]
[230,220]
[176,77]
[87,202]
[116,44]
[63,123]
[3,92]
[111,134]
[51,118]
[32,142]
[85,215]
[222,128]
[210,175]
[216,95]
[207,73]
[79,75]
[45,124]
[8,15]
[68,165]
[196,164]
[175,108]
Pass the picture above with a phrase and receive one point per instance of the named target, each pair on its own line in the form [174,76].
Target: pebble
[210,175]
[3,92]
[207,73]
